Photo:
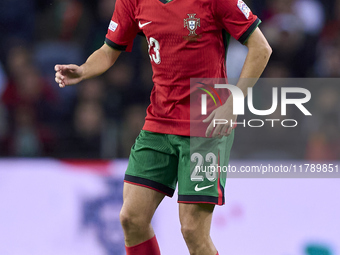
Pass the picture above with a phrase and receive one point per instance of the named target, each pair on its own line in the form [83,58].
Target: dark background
[101,117]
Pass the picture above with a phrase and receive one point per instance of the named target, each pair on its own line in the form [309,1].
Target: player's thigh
[153,163]
[139,203]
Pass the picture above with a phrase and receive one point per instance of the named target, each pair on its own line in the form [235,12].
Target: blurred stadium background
[70,206]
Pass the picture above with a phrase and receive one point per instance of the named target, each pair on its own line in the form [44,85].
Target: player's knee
[189,233]
[195,239]
[194,234]
[126,220]
[130,222]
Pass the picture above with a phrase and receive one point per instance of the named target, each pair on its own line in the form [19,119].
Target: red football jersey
[185,39]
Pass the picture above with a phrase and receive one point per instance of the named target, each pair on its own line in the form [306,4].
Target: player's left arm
[257,58]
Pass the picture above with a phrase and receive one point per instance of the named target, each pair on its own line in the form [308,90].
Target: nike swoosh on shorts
[202,188]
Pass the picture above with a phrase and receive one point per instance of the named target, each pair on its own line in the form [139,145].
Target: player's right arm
[101,60]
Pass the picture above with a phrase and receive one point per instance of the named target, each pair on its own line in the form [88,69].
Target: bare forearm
[99,62]
[258,55]
[96,64]
[254,66]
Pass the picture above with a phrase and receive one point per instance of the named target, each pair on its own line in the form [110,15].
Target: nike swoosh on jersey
[202,188]
[143,25]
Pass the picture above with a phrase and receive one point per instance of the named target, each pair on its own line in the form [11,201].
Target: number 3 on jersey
[153,50]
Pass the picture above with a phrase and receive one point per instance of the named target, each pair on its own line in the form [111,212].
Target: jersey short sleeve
[123,27]
[236,18]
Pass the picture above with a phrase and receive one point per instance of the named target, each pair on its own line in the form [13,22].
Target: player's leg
[201,186]
[195,226]
[139,206]
[151,174]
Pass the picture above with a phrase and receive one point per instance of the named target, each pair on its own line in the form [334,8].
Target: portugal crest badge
[191,24]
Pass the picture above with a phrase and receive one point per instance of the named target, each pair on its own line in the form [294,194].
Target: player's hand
[68,74]
[224,112]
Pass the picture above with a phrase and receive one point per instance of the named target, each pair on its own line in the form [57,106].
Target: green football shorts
[158,161]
